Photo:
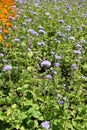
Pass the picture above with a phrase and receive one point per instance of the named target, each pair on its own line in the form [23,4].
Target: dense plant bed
[43,66]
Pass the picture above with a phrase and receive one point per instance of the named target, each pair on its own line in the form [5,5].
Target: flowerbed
[44,68]
[7,13]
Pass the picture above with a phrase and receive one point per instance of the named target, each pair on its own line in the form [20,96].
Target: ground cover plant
[43,65]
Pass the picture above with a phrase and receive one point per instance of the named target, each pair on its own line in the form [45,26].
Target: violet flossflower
[16,40]
[83,41]
[56,64]
[71,38]
[40,43]
[61,21]
[77,52]
[7,67]
[28,20]
[58,57]
[53,72]
[31,31]
[60,102]
[45,125]
[79,46]
[41,31]
[74,66]
[1,55]
[46,64]
[48,76]
[68,28]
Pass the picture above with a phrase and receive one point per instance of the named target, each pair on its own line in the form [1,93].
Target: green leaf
[14,106]
[30,54]
[22,128]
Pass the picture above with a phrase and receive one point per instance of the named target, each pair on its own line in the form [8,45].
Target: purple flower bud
[60,102]
[41,31]
[1,55]
[68,28]
[45,125]
[40,43]
[71,38]
[7,67]
[83,41]
[78,46]
[11,18]
[58,57]
[16,40]
[60,21]
[32,32]
[74,66]
[83,77]
[77,51]
[56,64]
[28,20]
[46,63]
[53,72]
[48,76]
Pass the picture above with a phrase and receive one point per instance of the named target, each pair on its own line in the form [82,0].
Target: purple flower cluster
[32,32]
[16,40]
[48,76]
[7,67]
[45,125]
[60,102]
[46,64]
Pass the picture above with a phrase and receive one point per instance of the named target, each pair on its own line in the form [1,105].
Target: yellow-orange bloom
[5,31]
[1,38]
[6,45]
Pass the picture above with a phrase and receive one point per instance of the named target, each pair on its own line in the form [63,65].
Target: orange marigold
[5,31]
[6,45]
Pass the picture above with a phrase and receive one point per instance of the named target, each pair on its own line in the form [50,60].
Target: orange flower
[1,16]
[6,10]
[8,24]
[6,45]
[5,31]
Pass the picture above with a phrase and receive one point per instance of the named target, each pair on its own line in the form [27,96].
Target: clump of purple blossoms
[45,125]
[41,31]
[58,57]
[46,64]
[7,67]
[71,38]
[77,52]
[60,21]
[16,40]
[74,66]
[79,46]
[1,55]
[83,41]
[56,64]
[32,32]
[60,102]
[68,28]
[48,76]
[40,43]
[29,20]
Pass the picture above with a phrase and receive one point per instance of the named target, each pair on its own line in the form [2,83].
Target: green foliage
[27,97]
